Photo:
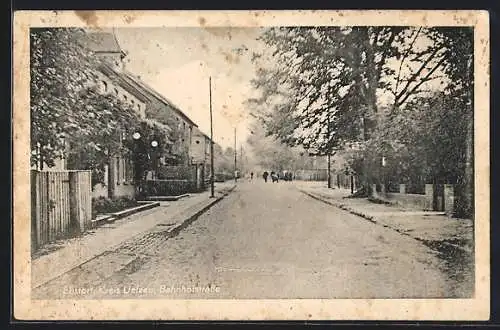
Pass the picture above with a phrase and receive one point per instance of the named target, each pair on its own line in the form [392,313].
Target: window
[118,170]
[116,91]
[104,86]
[125,97]
[123,175]
[132,100]
[127,174]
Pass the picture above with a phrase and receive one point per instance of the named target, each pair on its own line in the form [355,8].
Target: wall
[409,200]
[181,172]
[416,201]
[311,175]
[163,113]
[123,185]
[198,150]
[111,87]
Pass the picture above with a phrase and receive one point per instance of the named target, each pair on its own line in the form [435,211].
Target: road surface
[270,241]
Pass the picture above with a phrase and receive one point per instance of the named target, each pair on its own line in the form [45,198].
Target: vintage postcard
[251,165]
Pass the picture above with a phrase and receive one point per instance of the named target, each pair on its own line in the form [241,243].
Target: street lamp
[137,164]
[384,174]
[154,144]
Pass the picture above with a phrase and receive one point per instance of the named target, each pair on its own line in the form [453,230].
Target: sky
[177,62]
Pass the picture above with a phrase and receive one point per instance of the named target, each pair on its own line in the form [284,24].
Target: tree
[327,84]
[95,140]
[69,115]
[160,112]
[146,155]
[223,160]
[271,154]
[60,68]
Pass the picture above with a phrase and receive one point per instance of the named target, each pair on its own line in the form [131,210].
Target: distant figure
[251,176]
[265,175]
[274,177]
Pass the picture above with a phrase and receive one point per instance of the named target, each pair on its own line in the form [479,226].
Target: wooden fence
[311,175]
[61,205]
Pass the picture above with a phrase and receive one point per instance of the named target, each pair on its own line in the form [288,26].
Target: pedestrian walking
[274,177]
[251,176]
[265,175]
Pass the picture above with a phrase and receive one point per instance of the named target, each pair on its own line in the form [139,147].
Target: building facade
[150,106]
[119,174]
[164,111]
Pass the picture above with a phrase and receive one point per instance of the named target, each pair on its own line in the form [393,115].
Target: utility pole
[212,174]
[329,151]
[235,155]
[241,158]
[469,146]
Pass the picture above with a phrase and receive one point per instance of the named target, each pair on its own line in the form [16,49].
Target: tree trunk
[111,178]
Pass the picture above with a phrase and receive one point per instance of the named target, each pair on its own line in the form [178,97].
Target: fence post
[73,203]
[449,199]
[402,188]
[80,200]
[382,189]
[429,194]
[35,210]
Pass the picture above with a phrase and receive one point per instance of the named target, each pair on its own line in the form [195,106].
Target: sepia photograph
[232,163]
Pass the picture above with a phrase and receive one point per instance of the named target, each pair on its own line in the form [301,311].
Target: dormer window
[104,86]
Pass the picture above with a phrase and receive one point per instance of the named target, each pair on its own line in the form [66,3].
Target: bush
[103,205]
[169,187]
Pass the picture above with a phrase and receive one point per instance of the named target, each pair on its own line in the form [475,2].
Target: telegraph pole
[241,158]
[212,174]
[329,152]
[235,155]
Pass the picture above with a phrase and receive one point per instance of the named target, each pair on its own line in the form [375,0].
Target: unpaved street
[269,240]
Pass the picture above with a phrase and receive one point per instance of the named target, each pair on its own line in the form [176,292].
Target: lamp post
[137,161]
[154,144]
[384,175]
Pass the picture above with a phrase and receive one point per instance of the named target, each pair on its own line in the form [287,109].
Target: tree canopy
[69,116]
[401,94]
[326,84]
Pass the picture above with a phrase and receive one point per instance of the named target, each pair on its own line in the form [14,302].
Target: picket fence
[61,205]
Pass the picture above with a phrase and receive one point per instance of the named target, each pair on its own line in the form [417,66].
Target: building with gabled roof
[160,97]
[163,110]
[113,80]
